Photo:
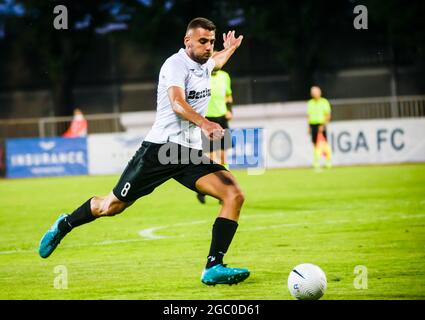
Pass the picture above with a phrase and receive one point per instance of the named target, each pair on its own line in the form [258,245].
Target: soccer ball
[307,282]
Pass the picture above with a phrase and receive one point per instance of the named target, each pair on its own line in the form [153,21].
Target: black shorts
[222,144]
[314,128]
[153,164]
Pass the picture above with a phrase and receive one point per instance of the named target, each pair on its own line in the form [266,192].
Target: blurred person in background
[78,127]
[219,111]
[319,115]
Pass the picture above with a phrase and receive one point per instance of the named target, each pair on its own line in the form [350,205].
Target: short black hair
[201,23]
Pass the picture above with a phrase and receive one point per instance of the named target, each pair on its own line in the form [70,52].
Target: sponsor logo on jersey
[199,94]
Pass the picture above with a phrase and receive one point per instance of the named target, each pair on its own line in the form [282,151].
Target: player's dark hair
[201,23]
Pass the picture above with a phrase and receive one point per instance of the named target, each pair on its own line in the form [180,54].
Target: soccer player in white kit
[173,149]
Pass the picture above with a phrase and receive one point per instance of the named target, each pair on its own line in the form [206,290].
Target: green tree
[60,51]
[298,33]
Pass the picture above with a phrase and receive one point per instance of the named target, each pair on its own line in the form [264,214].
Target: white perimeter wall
[286,142]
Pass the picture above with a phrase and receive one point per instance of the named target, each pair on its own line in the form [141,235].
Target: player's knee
[239,197]
[235,196]
[111,208]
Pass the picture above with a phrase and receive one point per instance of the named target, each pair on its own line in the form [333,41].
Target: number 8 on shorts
[124,190]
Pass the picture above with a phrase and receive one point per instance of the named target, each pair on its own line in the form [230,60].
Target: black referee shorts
[153,164]
[222,144]
[314,129]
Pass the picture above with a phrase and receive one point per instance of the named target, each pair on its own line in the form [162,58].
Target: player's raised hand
[230,41]
[230,44]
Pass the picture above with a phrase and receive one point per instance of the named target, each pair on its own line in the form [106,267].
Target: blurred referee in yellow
[219,111]
[319,115]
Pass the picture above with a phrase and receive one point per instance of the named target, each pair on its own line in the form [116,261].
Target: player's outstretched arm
[230,44]
[183,109]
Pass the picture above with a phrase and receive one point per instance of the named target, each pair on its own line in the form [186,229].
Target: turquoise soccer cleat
[220,274]
[51,239]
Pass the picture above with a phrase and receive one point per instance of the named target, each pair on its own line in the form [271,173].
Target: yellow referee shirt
[220,88]
[317,110]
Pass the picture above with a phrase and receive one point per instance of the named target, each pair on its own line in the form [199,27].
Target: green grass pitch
[338,219]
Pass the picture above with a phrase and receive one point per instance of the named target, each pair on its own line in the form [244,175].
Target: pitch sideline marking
[149,233]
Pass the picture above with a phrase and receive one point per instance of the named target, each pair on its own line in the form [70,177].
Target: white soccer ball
[307,282]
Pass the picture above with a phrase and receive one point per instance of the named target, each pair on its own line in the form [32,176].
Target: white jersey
[181,71]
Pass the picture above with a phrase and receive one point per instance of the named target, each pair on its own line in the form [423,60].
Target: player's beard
[203,58]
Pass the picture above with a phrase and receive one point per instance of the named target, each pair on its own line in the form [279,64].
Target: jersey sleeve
[174,74]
